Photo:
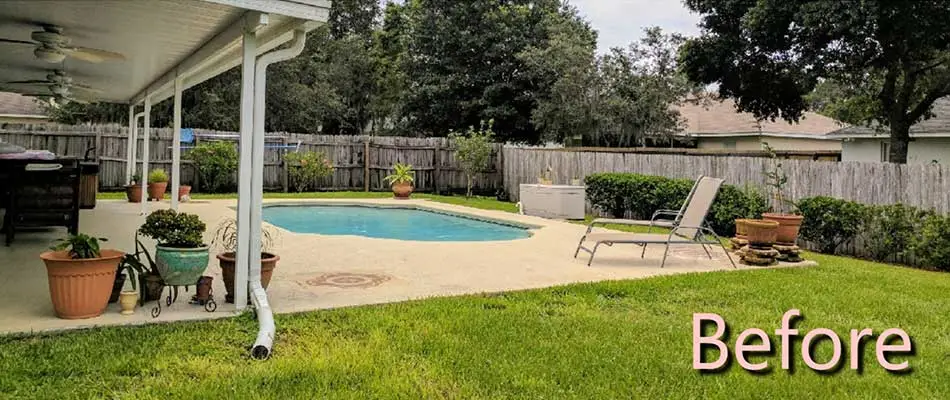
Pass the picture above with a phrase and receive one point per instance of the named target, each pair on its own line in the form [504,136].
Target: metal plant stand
[209,305]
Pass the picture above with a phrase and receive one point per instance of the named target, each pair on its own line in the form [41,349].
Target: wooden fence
[360,162]
[925,186]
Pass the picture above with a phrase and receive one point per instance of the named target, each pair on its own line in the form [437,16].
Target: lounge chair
[660,218]
[690,229]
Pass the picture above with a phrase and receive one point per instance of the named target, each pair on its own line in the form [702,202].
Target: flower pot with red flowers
[81,276]
[401,180]
[157,183]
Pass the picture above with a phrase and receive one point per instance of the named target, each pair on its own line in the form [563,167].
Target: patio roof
[197,39]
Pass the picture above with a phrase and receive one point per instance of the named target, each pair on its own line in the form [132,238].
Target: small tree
[473,150]
[306,168]
[216,162]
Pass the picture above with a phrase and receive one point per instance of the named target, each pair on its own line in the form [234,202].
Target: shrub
[830,222]
[173,229]
[641,195]
[889,231]
[306,168]
[932,244]
[216,163]
[157,175]
[473,151]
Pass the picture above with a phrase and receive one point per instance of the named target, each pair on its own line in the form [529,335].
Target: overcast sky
[619,22]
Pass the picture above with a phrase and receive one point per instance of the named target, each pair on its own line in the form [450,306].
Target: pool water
[388,223]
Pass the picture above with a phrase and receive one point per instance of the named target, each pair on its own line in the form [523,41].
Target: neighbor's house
[929,140]
[19,109]
[715,124]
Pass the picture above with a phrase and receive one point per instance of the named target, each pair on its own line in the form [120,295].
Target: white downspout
[265,317]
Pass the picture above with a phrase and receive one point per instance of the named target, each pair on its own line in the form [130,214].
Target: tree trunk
[468,192]
[900,137]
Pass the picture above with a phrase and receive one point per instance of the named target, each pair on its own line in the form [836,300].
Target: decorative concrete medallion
[346,280]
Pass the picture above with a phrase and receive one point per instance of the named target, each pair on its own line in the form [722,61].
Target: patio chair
[690,229]
[660,218]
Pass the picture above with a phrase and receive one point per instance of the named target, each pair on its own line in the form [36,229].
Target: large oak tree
[894,56]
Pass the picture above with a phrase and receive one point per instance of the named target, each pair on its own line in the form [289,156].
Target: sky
[620,22]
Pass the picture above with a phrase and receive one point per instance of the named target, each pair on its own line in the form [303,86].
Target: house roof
[12,104]
[718,118]
[938,126]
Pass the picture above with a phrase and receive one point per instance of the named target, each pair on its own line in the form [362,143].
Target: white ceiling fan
[53,47]
[58,87]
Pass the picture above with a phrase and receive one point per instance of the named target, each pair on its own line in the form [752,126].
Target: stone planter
[128,299]
[402,190]
[226,261]
[789,225]
[80,288]
[181,267]
[156,191]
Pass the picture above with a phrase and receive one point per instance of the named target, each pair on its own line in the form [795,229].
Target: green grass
[487,203]
[622,339]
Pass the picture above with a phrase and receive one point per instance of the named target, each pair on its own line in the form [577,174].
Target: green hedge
[623,194]
[889,233]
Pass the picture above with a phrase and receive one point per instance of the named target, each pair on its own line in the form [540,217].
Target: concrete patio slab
[323,271]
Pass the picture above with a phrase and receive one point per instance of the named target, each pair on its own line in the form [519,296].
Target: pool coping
[530,228]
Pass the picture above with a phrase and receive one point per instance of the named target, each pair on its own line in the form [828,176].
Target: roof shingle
[719,117]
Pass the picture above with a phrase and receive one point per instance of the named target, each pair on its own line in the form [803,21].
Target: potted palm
[157,183]
[226,238]
[143,270]
[80,276]
[401,180]
[181,255]
[133,191]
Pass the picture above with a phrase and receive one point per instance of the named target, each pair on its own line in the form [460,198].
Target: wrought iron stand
[210,305]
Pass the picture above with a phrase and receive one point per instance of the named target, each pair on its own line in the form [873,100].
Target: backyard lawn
[622,339]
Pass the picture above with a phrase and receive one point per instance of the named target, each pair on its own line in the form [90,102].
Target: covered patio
[140,53]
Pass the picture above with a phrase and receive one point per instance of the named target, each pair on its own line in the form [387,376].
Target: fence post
[283,164]
[437,163]
[366,165]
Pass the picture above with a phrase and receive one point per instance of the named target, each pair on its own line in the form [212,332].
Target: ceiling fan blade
[30,82]
[84,87]
[5,40]
[94,55]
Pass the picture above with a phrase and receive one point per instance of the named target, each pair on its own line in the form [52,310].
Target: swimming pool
[388,223]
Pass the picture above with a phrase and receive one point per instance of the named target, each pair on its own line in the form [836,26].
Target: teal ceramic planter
[181,267]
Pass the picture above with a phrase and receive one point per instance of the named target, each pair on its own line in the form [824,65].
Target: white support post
[130,147]
[146,127]
[176,145]
[244,176]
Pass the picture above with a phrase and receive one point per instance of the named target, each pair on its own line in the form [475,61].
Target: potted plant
[184,192]
[181,255]
[117,285]
[128,298]
[789,222]
[80,276]
[157,183]
[145,272]
[761,232]
[401,180]
[226,238]
[133,191]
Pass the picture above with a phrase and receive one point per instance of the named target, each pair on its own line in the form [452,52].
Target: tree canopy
[883,62]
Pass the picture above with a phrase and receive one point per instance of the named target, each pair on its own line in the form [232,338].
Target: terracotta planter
[402,190]
[742,228]
[226,261]
[156,191]
[80,288]
[788,227]
[761,232]
[183,190]
[134,193]
[127,300]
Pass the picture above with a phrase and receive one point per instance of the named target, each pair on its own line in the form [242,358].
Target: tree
[566,65]
[473,151]
[769,55]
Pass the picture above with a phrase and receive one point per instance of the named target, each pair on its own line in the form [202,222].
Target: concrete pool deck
[319,272]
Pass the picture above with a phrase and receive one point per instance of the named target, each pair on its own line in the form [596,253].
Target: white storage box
[553,201]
